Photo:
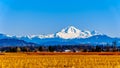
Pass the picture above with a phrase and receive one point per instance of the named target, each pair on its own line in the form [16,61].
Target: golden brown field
[23,60]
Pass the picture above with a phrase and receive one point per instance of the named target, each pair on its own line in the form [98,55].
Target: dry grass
[21,60]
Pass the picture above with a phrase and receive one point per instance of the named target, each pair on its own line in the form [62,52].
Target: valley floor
[59,60]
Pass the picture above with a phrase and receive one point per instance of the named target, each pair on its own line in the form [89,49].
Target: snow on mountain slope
[46,36]
[3,36]
[36,36]
[66,36]
[72,32]
[69,32]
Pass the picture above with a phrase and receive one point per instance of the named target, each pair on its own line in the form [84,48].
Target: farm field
[36,60]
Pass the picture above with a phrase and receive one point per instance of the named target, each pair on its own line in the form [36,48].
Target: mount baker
[67,36]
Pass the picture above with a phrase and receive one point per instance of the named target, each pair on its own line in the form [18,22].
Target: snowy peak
[38,36]
[70,29]
[72,32]
[69,32]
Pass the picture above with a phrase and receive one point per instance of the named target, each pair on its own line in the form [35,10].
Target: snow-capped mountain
[72,32]
[2,36]
[67,36]
[69,32]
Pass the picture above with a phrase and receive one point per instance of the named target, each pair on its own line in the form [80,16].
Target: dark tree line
[64,48]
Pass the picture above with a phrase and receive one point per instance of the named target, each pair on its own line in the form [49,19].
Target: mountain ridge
[67,36]
[69,32]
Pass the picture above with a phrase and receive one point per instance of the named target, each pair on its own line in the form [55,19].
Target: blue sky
[26,17]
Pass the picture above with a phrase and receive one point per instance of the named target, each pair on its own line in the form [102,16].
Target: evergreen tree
[114,46]
[40,48]
[50,49]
